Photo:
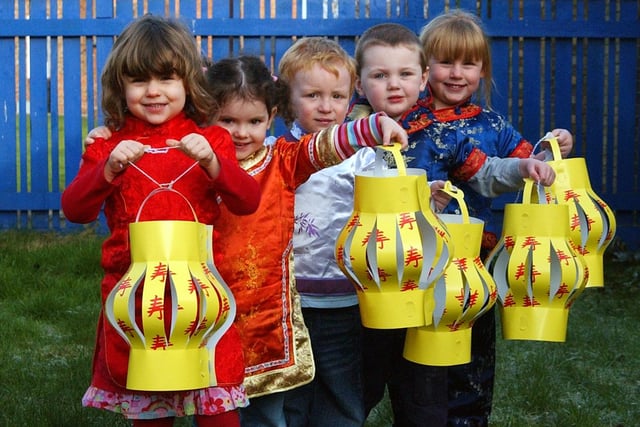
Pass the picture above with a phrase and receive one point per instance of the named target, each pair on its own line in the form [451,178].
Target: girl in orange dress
[254,253]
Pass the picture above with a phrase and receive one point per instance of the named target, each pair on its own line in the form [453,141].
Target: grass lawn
[49,301]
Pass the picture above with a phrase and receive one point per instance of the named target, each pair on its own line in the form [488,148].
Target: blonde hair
[459,35]
[152,46]
[303,55]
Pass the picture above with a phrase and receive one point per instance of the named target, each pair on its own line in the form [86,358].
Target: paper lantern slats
[462,294]
[391,249]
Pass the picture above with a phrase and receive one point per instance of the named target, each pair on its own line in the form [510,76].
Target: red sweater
[122,198]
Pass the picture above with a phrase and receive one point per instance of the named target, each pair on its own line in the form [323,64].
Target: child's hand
[392,132]
[565,141]
[440,198]
[127,151]
[99,132]
[538,171]
[198,148]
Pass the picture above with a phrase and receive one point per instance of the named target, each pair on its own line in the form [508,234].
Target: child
[458,56]
[254,253]
[154,99]
[392,72]
[321,76]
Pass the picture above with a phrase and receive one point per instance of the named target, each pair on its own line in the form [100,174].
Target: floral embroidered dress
[122,199]
[475,148]
[254,255]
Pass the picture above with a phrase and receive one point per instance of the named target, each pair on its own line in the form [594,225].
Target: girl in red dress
[156,109]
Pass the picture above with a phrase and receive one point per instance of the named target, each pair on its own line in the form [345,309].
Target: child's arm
[498,175]
[83,198]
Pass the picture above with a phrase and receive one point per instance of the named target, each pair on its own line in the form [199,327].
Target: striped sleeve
[334,144]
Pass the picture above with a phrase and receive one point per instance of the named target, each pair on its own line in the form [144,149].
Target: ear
[358,87]
[425,79]
[272,116]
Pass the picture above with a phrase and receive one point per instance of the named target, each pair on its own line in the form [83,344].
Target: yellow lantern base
[168,370]
[596,271]
[394,310]
[427,346]
[534,323]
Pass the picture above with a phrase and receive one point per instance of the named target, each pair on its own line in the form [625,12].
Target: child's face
[156,100]
[391,79]
[453,82]
[248,123]
[319,98]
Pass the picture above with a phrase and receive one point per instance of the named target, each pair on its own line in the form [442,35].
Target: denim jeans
[471,385]
[264,411]
[334,397]
[418,393]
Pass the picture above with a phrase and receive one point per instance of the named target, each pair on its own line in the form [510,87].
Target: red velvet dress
[122,198]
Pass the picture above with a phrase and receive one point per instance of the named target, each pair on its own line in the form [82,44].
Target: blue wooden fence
[557,63]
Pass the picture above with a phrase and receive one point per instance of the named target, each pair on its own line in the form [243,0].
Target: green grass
[49,302]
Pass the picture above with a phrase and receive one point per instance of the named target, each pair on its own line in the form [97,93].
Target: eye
[379,75]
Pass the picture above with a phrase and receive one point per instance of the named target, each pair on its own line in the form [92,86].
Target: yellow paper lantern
[182,304]
[592,223]
[393,246]
[462,294]
[536,269]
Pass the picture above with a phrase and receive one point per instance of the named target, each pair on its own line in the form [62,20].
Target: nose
[239,131]
[153,88]
[456,70]
[325,104]
[393,81]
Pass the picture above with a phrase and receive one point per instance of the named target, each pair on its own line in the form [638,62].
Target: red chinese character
[571,195]
[157,306]
[509,301]
[124,327]
[520,271]
[353,222]
[530,302]
[563,256]
[381,238]
[160,343]
[413,256]
[562,291]
[409,285]
[531,242]
[160,270]
[406,219]
[124,285]
[509,242]
[461,263]
[473,298]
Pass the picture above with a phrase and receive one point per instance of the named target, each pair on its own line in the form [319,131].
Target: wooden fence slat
[556,64]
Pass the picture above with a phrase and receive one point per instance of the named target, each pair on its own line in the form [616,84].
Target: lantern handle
[159,190]
[457,194]
[394,149]
[529,190]
[553,144]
